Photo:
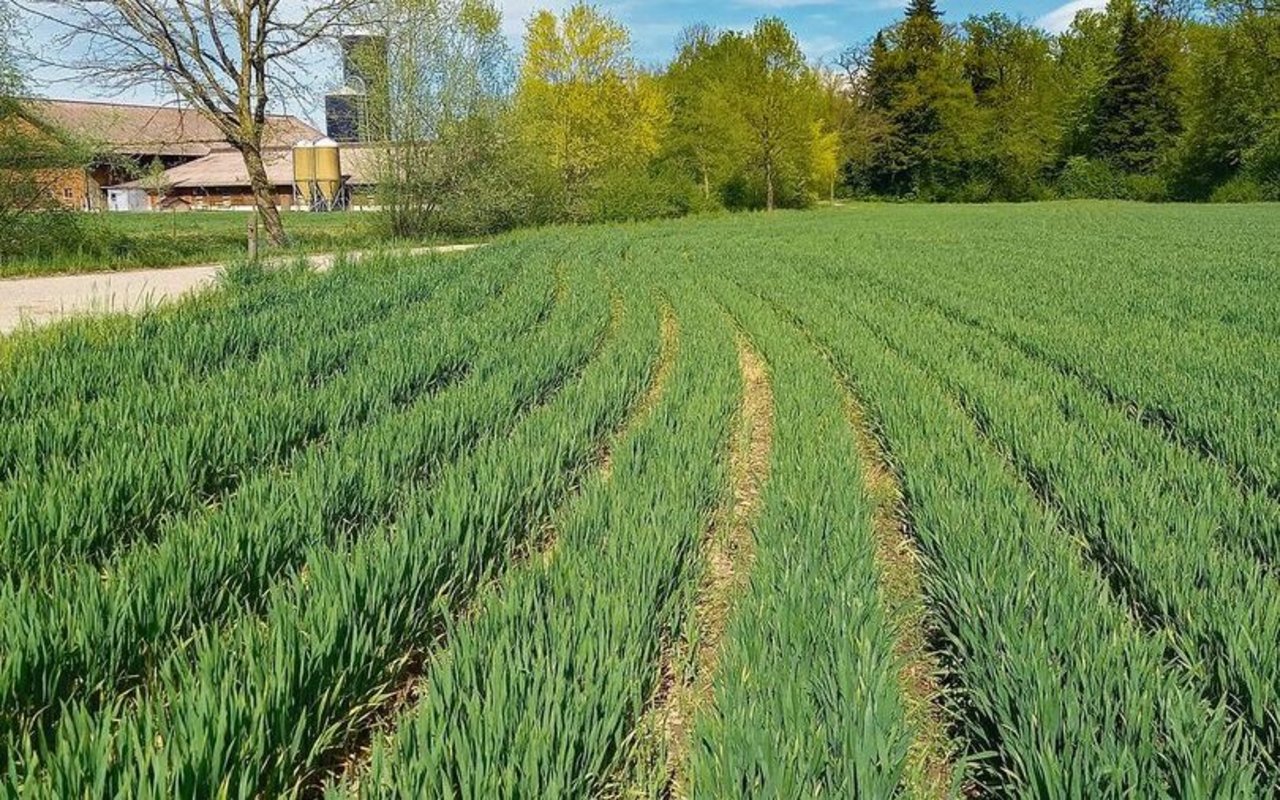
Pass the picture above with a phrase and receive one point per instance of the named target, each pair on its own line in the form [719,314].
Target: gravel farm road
[37,301]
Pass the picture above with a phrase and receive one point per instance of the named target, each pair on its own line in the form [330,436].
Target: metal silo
[328,161]
[304,174]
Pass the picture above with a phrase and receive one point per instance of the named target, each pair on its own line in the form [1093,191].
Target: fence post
[253,237]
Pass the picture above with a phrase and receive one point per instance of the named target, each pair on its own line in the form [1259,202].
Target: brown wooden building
[220,181]
[129,137]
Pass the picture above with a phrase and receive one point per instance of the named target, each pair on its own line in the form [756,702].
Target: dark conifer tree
[923,9]
[1137,114]
[881,74]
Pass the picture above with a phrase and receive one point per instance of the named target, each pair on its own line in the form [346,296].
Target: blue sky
[824,28]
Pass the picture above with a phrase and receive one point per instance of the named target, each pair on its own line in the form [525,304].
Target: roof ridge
[149,106]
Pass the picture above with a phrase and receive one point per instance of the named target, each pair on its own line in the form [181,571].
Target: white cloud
[1060,18]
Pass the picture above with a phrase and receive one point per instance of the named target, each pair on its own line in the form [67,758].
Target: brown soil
[728,551]
[661,377]
[930,767]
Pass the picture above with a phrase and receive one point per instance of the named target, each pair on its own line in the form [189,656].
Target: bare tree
[227,58]
[439,87]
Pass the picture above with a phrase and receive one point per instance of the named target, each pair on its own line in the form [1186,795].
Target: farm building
[128,137]
[219,181]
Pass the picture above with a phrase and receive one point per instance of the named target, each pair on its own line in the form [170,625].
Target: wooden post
[253,237]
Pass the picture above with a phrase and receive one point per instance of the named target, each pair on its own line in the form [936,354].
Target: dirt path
[37,301]
[670,333]
[930,767]
[729,552]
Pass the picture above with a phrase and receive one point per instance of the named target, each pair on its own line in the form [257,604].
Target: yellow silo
[304,172]
[328,161]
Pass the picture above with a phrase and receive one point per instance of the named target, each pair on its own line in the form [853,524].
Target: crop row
[1147,511]
[475,528]
[1144,350]
[79,634]
[1057,681]
[221,436]
[83,361]
[266,703]
[806,695]
[539,690]
[65,435]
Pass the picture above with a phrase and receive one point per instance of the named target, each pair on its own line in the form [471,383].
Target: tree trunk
[263,197]
[768,183]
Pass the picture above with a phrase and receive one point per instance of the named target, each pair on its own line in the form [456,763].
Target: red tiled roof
[155,130]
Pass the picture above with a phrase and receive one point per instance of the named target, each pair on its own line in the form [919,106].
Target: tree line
[1142,100]
[1145,99]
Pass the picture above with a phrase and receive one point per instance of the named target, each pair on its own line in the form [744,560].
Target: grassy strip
[621,572]
[81,634]
[1053,679]
[806,694]
[258,708]
[122,494]
[110,242]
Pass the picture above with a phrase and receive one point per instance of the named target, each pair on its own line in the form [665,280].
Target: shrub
[1240,189]
[632,194]
[1147,188]
[1083,178]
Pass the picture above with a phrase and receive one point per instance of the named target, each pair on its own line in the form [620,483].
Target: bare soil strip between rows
[930,765]
[728,553]
[409,688]
[667,352]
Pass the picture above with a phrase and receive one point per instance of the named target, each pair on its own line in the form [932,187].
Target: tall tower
[349,109]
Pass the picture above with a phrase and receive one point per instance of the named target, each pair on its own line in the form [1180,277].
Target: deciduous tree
[779,101]
[230,59]
[1010,67]
[706,136]
[443,76]
[583,107]
[35,158]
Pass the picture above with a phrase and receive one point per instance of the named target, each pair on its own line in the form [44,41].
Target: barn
[128,138]
[219,180]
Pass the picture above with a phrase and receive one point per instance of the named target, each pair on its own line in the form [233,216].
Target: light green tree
[707,136]
[583,108]
[748,114]
[779,99]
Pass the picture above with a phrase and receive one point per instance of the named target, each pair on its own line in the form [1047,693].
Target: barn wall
[227,197]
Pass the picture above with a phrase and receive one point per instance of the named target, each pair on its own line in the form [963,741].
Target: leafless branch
[230,59]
